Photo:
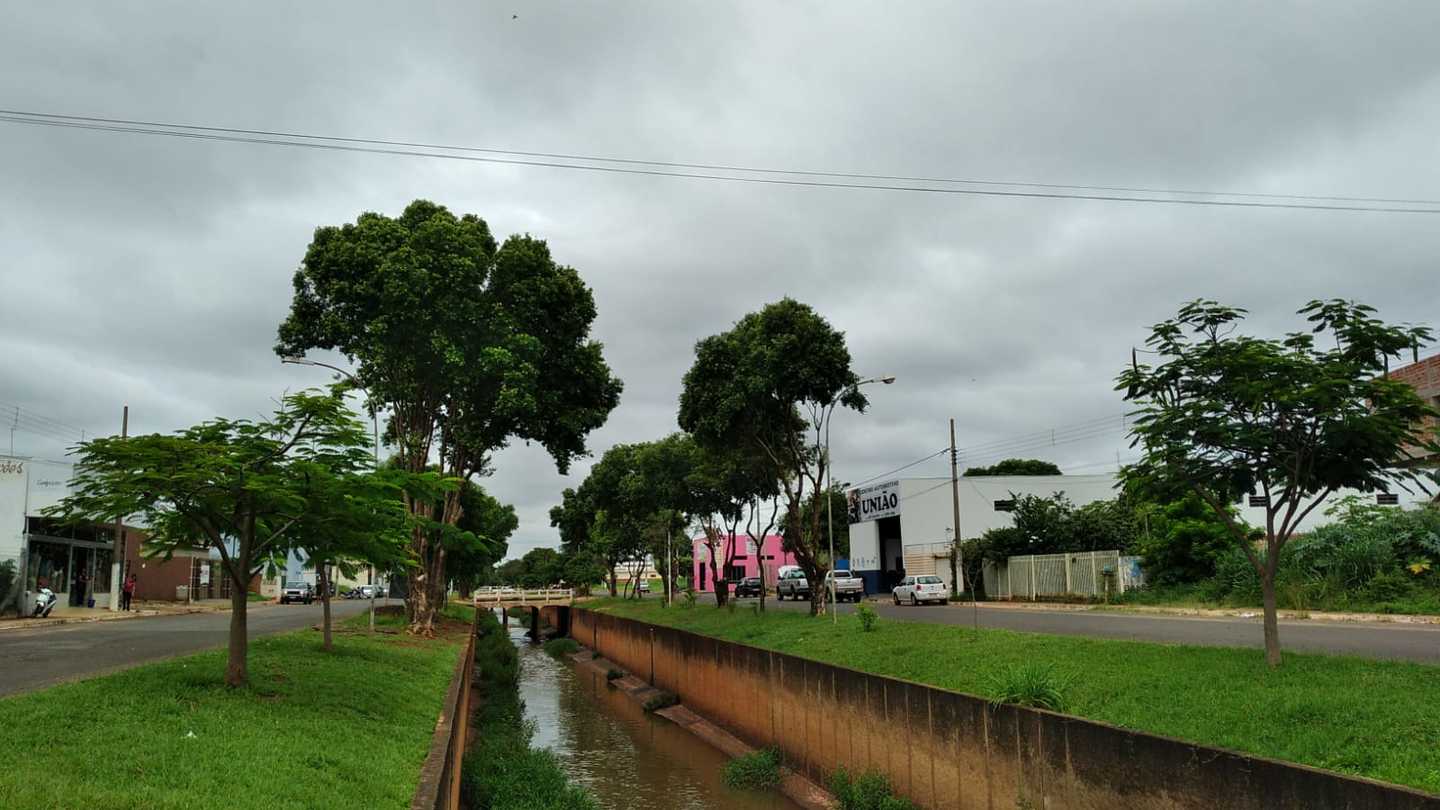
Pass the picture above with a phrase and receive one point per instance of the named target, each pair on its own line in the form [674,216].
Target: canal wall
[944,749]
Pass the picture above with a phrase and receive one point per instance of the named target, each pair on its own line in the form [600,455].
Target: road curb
[35,624]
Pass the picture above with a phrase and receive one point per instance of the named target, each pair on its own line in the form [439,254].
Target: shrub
[613,674]
[1037,685]
[660,700]
[757,770]
[561,647]
[689,598]
[867,616]
[869,791]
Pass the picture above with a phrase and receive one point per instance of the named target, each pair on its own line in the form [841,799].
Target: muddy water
[628,759]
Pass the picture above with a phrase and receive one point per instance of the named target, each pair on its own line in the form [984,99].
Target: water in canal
[625,757]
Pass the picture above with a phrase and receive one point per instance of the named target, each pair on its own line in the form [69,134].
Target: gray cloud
[153,271]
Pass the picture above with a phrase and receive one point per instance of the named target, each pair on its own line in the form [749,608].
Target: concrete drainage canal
[625,757]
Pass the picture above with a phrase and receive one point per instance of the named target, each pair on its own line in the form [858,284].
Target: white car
[928,588]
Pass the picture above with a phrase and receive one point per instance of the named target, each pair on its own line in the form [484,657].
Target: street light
[297,360]
[830,484]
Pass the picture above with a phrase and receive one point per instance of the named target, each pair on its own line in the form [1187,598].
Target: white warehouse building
[914,517]
[906,523]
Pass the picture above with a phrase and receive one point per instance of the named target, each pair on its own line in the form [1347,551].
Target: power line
[898,469]
[710,166]
[351,145]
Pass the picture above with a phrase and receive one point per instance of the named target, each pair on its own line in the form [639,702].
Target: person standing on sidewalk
[127,592]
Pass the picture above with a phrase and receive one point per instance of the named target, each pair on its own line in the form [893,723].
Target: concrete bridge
[527,599]
[516,597]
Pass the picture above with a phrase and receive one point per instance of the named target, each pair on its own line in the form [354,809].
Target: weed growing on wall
[868,791]
[757,770]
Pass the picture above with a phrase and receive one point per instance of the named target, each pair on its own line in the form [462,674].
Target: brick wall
[1424,377]
[154,579]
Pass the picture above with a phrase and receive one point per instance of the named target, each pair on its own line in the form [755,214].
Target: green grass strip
[1379,719]
[349,728]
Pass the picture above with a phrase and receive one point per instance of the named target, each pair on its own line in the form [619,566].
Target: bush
[867,616]
[869,791]
[1037,685]
[660,700]
[757,770]
[613,674]
[561,647]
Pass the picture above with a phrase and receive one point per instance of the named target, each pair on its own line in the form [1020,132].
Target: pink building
[747,562]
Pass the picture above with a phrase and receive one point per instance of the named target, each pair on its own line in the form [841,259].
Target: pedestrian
[127,592]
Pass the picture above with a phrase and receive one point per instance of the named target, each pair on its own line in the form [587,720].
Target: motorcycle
[44,603]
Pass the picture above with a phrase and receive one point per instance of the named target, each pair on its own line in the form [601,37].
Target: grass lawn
[345,729]
[1379,719]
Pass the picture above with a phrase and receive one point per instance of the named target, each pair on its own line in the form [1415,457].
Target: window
[49,566]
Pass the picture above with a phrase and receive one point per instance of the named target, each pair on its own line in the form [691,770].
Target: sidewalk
[1216,613]
[77,615]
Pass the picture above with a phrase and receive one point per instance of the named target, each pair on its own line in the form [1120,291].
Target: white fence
[1080,573]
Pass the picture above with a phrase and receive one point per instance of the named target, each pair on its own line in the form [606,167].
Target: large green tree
[1290,420]
[240,487]
[765,387]
[465,344]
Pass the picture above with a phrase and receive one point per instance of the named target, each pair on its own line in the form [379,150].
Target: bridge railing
[517,596]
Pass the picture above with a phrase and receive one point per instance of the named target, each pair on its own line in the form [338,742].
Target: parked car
[297,592]
[926,588]
[848,587]
[363,592]
[792,584]
[749,586]
[643,586]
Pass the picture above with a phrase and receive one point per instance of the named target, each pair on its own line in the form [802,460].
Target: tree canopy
[1016,466]
[466,344]
[1228,415]
[766,388]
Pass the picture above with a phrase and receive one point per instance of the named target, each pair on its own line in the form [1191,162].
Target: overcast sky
[153,271]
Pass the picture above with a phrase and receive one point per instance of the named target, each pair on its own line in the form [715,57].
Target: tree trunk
[324,571]
[1272,623]
[722,592]
[818,593]
[236,672]
[612,584]
[422,613]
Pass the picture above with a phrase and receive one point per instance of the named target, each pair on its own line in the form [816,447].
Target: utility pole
[956,560]
[117,545]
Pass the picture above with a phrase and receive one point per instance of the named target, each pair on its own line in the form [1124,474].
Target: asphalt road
[1369,640]
[30,659]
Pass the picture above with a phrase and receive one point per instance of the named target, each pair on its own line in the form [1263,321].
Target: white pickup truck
[847,586]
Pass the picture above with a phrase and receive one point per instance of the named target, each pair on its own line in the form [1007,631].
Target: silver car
[924,588]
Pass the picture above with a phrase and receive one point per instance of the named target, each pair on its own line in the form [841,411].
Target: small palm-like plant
[1037,685]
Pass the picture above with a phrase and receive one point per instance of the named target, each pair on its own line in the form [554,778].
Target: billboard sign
[874,502]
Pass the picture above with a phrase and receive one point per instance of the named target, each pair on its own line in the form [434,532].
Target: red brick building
[1424,377]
